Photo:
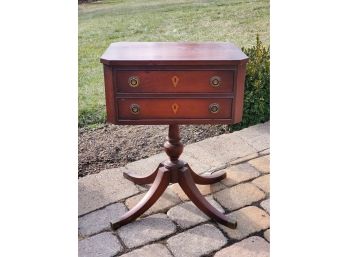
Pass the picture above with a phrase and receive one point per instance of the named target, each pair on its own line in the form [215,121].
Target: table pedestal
[174,171]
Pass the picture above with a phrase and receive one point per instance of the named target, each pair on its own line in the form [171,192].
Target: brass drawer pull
[133,81]
[215,81]
[214,108]
[135,108]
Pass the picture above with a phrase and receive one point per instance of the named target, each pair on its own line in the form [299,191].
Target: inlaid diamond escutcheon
[175,80]
[175,107]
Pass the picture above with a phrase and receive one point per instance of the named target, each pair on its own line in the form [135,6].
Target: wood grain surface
[187,81]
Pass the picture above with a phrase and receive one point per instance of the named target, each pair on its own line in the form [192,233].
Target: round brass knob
[135,108]
[214,108]
[215,81]
[133,81]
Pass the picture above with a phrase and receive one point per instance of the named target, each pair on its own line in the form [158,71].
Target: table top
[167,52]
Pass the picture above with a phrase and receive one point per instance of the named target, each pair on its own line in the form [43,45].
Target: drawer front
[184,81]
[174,109]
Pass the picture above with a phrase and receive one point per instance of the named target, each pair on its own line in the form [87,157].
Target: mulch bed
[112,146]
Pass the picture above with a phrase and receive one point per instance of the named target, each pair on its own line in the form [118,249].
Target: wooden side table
[174,83]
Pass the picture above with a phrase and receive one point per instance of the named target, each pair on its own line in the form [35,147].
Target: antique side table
[174,83]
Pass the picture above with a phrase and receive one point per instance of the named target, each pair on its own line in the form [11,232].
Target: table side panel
[239,94]
[111,112]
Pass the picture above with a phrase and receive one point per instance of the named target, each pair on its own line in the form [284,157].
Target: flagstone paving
[204,189]
[265,205]
[149,229]
[251,247]
[239,173]
[250,220]
[150,251]
[266,235]
[197,241]
[174,226]
[238,196]
[102,245]
[99,220]
[262,183]
[187,214]
[261,164]
[167,200]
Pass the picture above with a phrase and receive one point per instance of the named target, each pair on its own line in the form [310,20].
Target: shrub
[257,86]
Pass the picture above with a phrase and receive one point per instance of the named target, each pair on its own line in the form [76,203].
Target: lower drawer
[174,108]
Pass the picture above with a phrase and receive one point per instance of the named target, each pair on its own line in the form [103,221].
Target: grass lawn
[104,22]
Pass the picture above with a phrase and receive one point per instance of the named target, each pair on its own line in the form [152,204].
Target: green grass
[101,23]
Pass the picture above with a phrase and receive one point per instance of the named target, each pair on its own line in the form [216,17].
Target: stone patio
[173,226]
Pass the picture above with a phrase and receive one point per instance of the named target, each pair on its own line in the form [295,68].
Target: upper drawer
[182,81]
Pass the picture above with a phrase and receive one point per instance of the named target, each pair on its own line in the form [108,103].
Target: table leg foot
[156,190]
[142,180]
[187,183]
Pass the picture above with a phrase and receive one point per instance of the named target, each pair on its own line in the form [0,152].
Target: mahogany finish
[165,108]
[174,83]
[173,71]
[150,53]
[188,81]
